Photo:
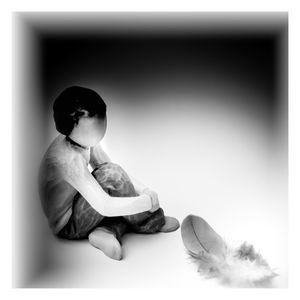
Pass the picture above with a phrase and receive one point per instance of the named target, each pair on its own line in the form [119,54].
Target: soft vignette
[294,122]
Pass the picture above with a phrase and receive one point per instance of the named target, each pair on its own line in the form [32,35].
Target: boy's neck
[73,143]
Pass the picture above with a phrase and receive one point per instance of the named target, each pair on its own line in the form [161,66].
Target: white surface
[157,260]
[230,175]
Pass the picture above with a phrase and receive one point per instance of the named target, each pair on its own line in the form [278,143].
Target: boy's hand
[154,198]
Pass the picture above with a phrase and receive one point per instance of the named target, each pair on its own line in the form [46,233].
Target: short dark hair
[73,103]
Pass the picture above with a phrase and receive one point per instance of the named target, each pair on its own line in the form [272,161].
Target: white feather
[235,270]
[240,267]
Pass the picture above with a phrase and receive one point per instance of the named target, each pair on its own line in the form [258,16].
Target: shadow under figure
[106,233]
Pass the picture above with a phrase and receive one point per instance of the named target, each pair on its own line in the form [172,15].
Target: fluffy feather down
[241,267]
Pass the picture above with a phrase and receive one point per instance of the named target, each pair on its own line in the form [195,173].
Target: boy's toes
[171,224]
[106,241]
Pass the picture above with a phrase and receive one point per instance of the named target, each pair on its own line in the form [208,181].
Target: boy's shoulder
[60,156]
[57,150]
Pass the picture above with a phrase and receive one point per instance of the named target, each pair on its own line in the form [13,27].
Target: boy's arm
[84,182]
[141,189]
[98,156]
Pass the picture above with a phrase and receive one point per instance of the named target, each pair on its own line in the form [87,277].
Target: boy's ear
[63,124]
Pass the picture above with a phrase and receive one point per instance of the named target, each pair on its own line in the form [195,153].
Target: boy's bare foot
[106,241]
[171,224]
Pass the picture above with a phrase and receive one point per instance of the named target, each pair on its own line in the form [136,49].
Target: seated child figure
[105,204]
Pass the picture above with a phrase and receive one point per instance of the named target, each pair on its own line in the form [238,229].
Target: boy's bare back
[55,191]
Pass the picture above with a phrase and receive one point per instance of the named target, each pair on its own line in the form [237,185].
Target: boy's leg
[116,182]
[82,221]
[103,233]
[85,218]
[147,222]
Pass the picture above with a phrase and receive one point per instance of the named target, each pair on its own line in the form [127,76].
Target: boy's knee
[108,168]
[113,179]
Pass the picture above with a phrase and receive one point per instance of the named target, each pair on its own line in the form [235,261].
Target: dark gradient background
[197,109]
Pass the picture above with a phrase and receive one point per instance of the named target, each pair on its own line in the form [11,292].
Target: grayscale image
[150,150]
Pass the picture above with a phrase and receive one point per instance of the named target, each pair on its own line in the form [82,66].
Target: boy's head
[80,114]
